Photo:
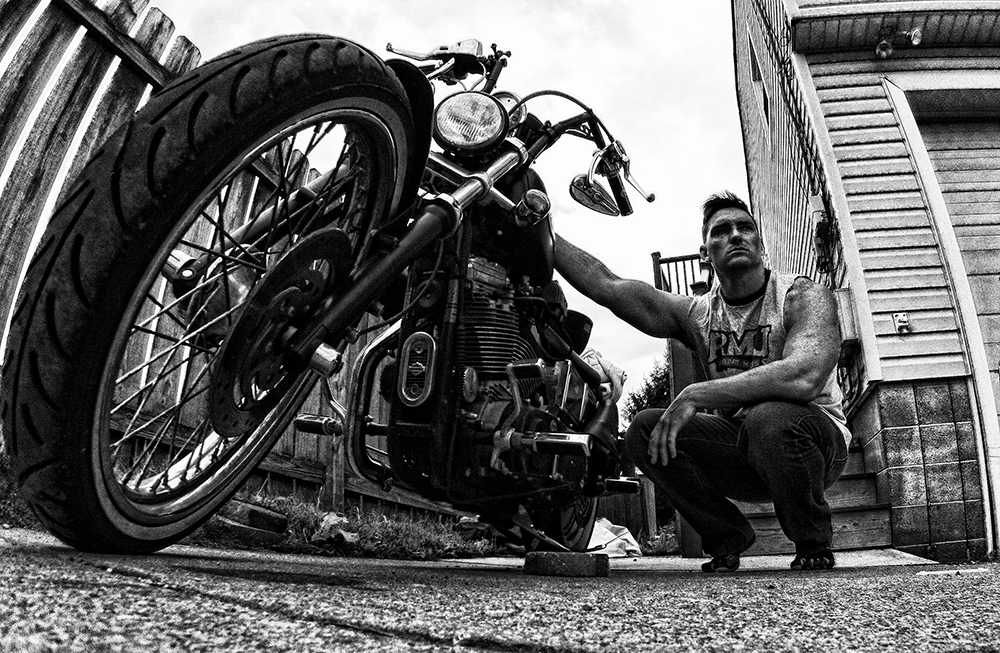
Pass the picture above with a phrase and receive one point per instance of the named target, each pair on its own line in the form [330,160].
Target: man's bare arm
[654,312]
[812,347]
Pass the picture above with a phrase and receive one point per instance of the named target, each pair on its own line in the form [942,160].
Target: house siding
[903,266]
[780,185]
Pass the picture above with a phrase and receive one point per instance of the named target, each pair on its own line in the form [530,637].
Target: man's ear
[703,253]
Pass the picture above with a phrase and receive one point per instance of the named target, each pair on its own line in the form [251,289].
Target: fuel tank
[525,251]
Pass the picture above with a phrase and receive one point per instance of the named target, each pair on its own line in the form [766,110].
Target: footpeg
[319,424]
[623,485]
[560,444]
[565,444]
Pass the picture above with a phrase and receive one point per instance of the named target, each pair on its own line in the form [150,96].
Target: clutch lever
[464,58]
[468,48]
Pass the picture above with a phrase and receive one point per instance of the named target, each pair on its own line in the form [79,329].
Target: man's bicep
[654,312]
[813,330]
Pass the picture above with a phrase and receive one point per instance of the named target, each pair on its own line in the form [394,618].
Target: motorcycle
[169,330]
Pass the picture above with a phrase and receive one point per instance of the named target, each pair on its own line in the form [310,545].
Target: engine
[491,333]
[512,397]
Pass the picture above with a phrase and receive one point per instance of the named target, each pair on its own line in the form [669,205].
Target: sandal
[723,563]
[822,559]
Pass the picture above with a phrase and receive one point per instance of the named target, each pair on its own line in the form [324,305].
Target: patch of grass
[379,535]
[421,539]
[13,510]
[369,534]
[663,543]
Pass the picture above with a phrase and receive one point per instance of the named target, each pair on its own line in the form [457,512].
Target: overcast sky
[659,74]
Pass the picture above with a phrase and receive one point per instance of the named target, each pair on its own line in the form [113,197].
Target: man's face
[732,241]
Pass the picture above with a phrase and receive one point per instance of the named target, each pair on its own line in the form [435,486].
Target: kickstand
[523,520]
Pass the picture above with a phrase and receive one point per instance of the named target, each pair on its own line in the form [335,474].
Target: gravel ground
[192,599]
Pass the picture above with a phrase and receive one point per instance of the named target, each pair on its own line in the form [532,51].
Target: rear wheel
[571,526]
[144,378]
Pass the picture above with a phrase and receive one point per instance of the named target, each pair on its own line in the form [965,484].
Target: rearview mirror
[590,193]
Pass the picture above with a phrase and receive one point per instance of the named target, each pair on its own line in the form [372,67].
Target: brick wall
[919,440]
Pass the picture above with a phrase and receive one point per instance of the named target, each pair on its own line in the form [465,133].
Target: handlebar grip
[621,196]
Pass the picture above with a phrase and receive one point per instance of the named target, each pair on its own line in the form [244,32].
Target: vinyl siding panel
[903,267]
[966,160]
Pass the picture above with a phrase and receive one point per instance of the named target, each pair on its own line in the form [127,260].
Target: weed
[13,510]
[663,543]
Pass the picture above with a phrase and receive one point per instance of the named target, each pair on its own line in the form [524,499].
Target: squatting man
[768,423]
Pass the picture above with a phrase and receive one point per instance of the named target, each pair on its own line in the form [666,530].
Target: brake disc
[251,374]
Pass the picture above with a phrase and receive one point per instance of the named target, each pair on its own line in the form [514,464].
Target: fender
[421,97]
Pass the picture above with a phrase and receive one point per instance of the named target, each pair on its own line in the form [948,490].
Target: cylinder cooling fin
[489,338]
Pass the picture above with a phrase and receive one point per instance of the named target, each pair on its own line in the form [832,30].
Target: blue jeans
[782,452]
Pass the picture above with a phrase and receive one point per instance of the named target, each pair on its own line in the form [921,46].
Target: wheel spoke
[169,419]
[186,340]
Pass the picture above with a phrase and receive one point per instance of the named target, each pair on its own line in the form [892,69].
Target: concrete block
[549,563]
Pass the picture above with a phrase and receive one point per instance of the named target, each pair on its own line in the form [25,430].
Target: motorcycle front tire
[89,288]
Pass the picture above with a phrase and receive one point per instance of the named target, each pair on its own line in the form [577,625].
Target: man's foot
[723,563]
[822,559]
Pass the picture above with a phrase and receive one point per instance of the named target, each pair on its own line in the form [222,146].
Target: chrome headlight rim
[512,103]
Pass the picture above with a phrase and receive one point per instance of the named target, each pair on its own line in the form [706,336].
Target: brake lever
[467,48]
[649,197]
[464,58]
[623,162]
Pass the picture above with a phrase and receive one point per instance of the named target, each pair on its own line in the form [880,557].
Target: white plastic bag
[615,541]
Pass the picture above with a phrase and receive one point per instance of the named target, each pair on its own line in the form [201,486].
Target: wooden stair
[859,520]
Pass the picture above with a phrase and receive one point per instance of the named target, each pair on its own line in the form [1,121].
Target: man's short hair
[722,200]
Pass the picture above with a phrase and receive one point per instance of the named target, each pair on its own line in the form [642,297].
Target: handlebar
[621,197]
[457,61]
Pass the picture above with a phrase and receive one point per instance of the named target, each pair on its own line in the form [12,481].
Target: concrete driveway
[53,598]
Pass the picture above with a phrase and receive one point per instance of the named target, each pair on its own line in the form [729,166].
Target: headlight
[470,123]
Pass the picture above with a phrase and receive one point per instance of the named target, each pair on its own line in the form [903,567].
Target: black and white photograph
[512,326]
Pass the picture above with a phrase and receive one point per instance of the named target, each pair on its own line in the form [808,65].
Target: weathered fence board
[124,92]
[34,175]
[14,15]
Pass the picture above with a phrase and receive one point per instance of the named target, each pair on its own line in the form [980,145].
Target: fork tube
[443,424]
[371,281]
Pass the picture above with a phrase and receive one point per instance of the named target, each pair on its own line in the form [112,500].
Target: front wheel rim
[199,465]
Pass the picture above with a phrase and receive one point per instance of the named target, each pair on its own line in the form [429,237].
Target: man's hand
[663,438]
[612,376]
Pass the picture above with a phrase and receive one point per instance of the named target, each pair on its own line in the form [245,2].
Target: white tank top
[735,338]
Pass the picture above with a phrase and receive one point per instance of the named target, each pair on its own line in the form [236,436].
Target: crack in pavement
[479,642]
